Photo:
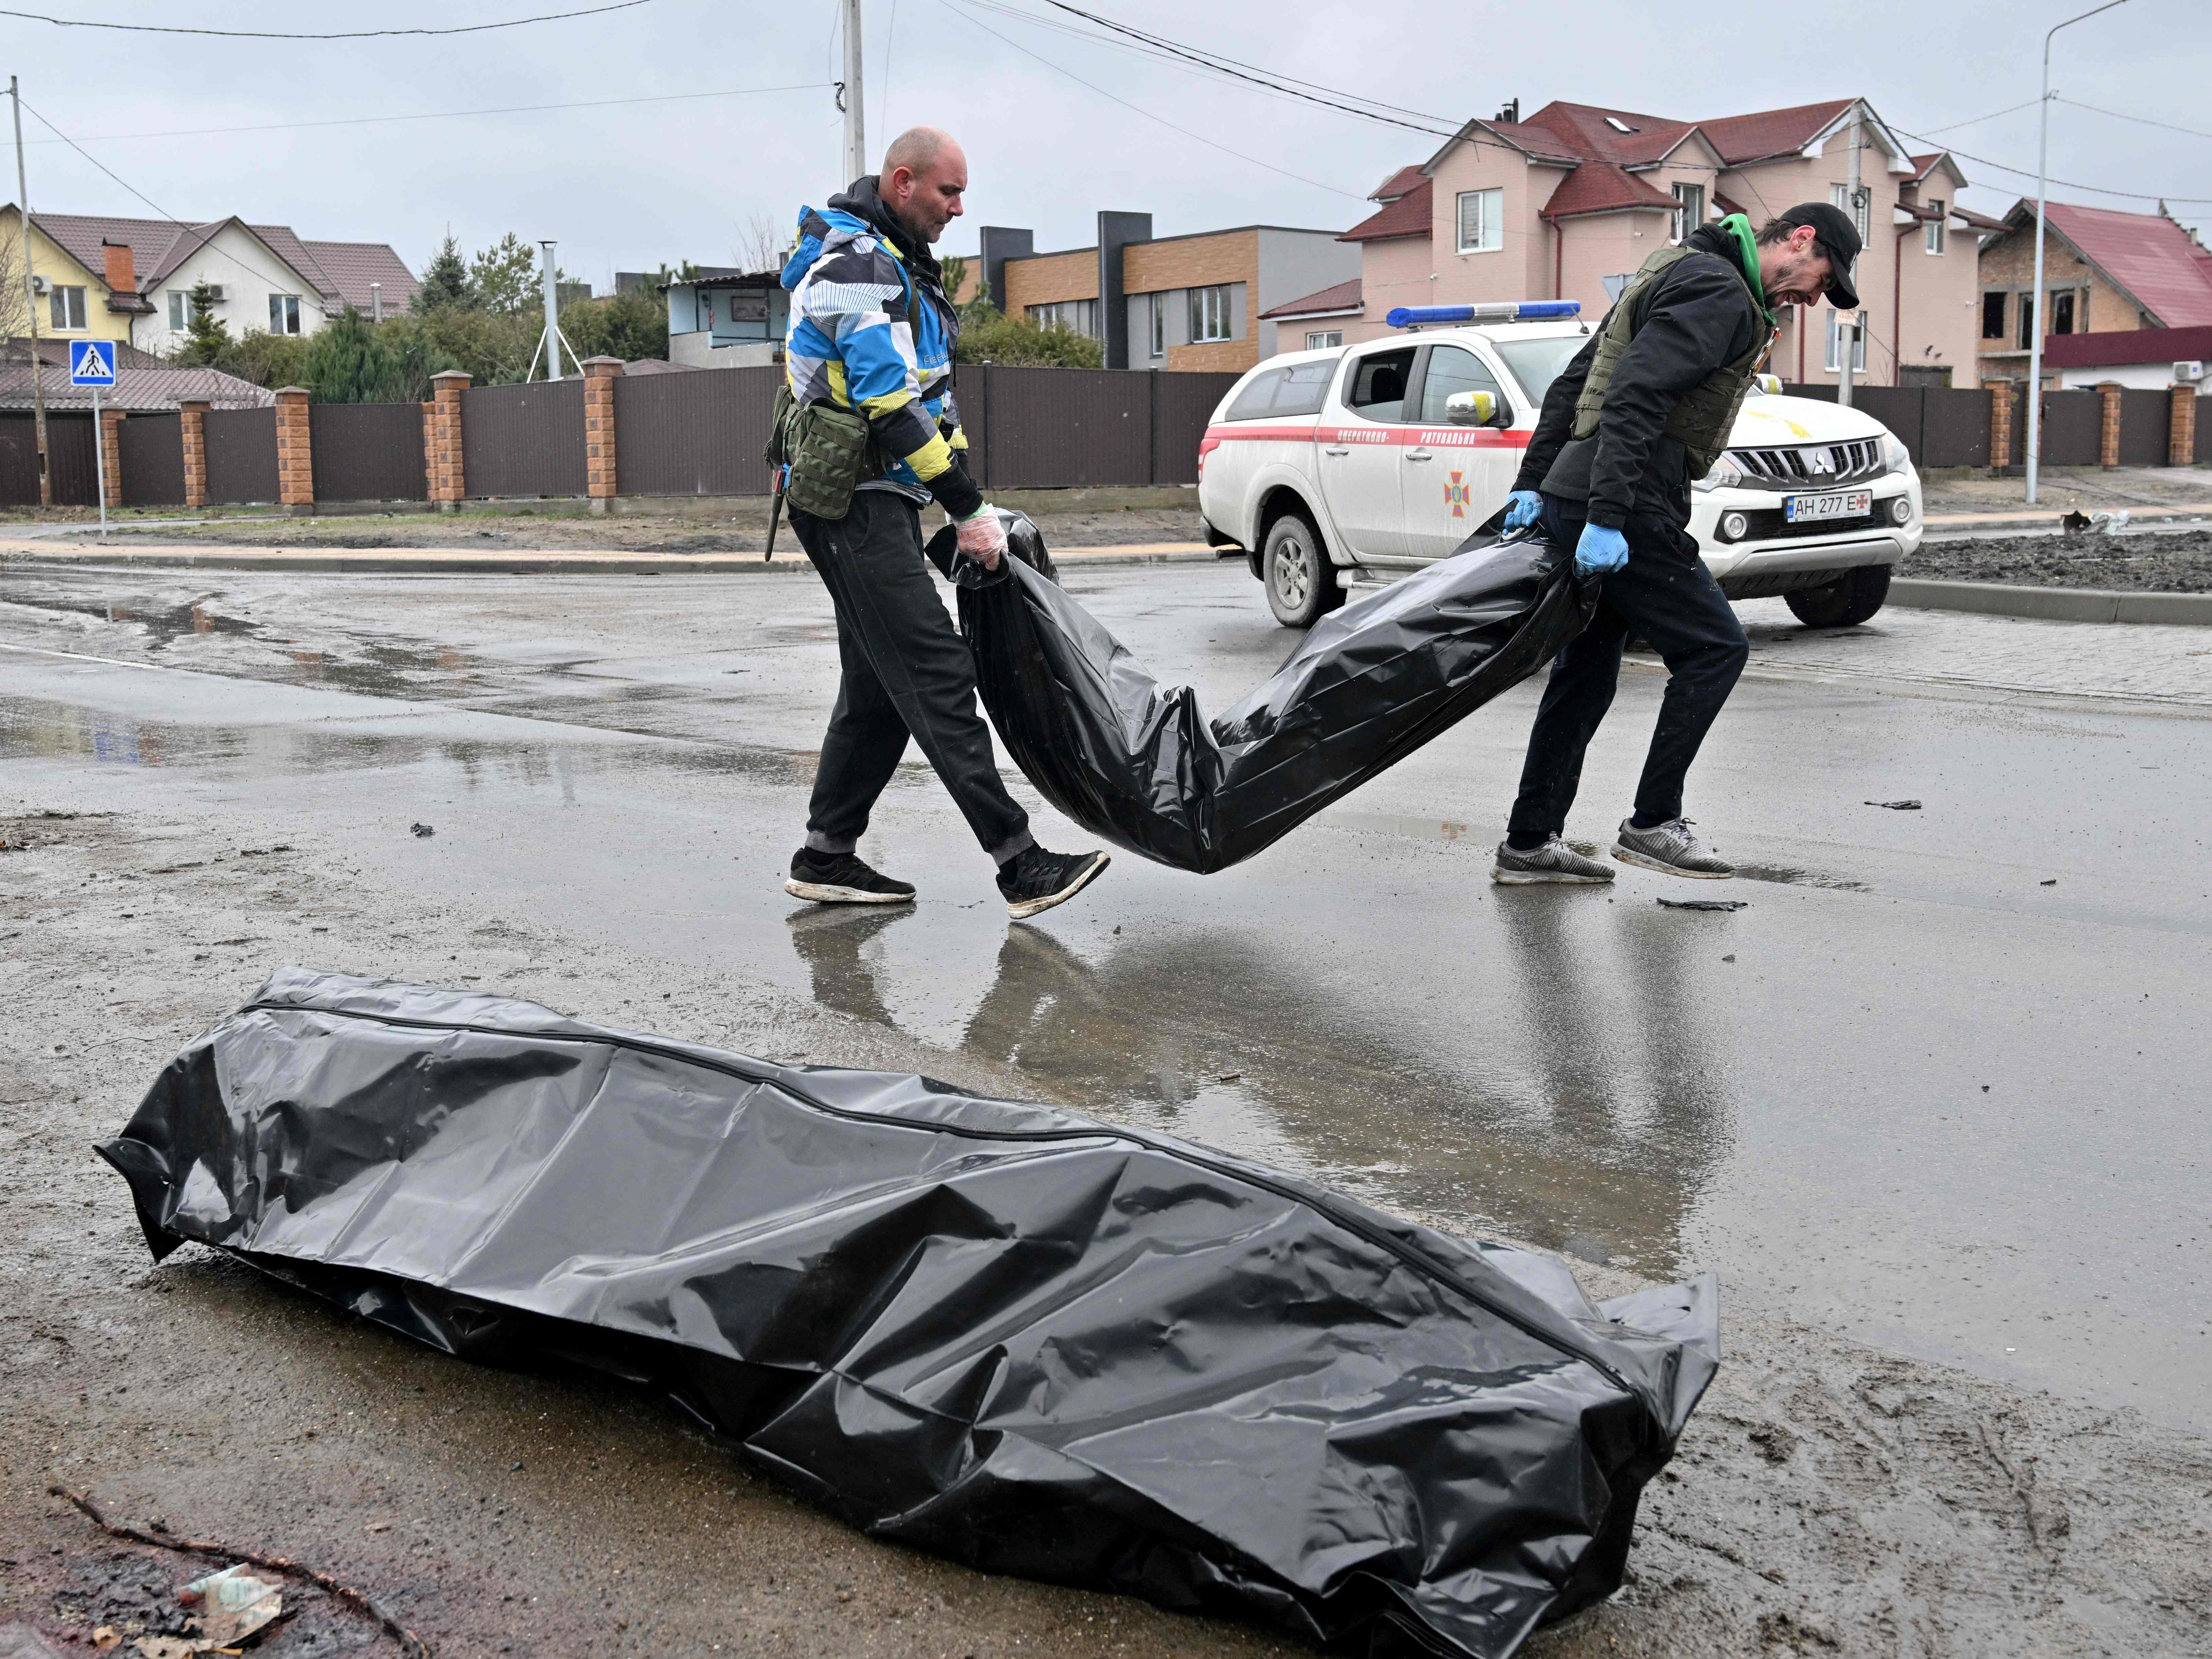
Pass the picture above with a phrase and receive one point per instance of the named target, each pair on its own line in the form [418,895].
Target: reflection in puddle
[1585,1113]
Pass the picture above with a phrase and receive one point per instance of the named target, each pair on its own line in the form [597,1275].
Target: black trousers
[907,673]
[1665,594]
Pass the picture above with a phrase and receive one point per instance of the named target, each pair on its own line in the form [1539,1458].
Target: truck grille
[1809,466]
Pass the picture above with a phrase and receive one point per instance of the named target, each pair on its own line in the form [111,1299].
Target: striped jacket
[871,330]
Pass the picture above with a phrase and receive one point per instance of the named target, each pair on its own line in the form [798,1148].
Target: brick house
[1568,203]
[2103,273]
[1197,302]
[130,280]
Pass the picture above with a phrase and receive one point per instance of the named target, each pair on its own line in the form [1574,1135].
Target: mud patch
[2150,561]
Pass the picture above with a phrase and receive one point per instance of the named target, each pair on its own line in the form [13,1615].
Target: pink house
[1568,203]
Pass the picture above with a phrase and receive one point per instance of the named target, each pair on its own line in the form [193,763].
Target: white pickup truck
[1375,459]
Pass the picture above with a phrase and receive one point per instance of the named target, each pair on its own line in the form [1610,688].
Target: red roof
[1586,132]
[1406,216]
[1398,184]
[2141,345]
[1345,296]
[2147,254]
[1770,132]
[336,271]
[1601,187]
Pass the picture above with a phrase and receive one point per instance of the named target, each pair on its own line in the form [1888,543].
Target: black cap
[1839,240]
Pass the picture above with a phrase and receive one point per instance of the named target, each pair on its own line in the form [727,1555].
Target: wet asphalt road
[1938,1087]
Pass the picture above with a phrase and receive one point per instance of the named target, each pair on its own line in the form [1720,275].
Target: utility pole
[1847,333]
[31,309]
[552,316]
[2035,304]
[856,141]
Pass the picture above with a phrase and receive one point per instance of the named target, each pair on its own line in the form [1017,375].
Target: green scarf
[1747,249]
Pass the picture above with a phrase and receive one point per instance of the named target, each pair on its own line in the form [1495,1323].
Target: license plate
[1844,504]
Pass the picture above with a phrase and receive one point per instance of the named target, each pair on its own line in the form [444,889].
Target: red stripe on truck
[1435,437]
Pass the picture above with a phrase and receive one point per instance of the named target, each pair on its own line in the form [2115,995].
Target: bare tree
[14,313]
[762,242]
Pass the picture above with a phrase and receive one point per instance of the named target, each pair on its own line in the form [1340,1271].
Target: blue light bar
[1502,311]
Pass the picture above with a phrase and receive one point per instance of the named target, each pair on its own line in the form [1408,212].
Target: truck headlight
[1895,457]
[1725,475]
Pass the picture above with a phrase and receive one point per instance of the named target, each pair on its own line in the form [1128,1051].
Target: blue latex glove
[1601,551]
[1522,508]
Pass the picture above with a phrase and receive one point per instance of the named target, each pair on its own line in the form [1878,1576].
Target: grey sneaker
[1670,847]
[1554,861]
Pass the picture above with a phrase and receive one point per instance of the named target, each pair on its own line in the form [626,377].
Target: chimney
[122,273]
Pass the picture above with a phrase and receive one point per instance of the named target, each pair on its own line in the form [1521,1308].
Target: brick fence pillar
[111,452]
[2000,425]
[191,415]
[599,376]
[2108,442]
[295,453]
[2181,427]
[449,483]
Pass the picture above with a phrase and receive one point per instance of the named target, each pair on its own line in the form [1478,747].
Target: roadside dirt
[745,531]
[1827,1498]
[2155,562]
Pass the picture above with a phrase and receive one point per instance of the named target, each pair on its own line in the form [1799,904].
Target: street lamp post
[2035,318]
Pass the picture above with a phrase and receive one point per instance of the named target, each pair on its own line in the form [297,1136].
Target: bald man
[871,332]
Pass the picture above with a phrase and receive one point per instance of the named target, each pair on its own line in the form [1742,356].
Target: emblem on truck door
[1455,494]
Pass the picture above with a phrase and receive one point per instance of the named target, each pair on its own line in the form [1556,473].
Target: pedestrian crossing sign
[92,363]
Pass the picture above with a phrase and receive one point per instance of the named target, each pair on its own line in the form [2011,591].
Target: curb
[429,561]
[2082,605]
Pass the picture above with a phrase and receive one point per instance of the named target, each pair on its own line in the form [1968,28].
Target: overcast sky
[630,184]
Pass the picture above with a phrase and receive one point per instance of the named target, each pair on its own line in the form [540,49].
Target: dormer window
[1619,125]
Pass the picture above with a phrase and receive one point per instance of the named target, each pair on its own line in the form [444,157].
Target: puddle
[162,623]
[1795,877]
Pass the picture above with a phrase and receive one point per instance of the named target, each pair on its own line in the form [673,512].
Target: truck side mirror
[1471,409]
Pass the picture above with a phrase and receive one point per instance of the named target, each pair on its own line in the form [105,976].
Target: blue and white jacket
[871,332]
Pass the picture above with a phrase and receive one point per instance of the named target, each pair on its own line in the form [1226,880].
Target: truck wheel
[1301,585]
[1846,602]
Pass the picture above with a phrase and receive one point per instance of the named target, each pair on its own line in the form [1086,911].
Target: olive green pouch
[828,449]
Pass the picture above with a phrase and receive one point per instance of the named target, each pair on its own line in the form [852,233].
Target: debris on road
[233,1604]
[877,1284]
[420,829]
[411,1645]
[1896,805]
[2053,882]
[1704,904]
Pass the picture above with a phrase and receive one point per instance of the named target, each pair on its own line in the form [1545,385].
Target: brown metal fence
[2073,429]
[525,440]
[68,452]
[2145,417]
[1180,404]
[693,434]
[241,454]
[153,454]
[1955,428]
[2201,454]
[1054,429]
[368,451]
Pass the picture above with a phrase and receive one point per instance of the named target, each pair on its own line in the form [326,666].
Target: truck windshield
[1537,363]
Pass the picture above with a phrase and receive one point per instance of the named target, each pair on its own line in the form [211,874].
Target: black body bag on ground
[1029,1341]
[1138,763]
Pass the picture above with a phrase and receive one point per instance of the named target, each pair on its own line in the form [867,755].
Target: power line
[949,5]
[1438,125]
[438,115]
[356,34]
[1973,121]
[2144,120]
[2071,184]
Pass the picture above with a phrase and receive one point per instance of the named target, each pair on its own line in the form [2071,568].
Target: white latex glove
[982,537]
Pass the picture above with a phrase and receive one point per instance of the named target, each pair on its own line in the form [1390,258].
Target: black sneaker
[1033,879]
[842,878]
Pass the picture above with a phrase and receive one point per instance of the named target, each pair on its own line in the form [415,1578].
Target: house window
[1689,208]
[67,306]
[1209,313]
[180,310]
[284,313]
[2062,312]
[1993,314]
[1858,345]
[1075,316]
[1840,195]
[1482,221]
[1936,227]
[1158,306]
[2026,321]
[1318,339]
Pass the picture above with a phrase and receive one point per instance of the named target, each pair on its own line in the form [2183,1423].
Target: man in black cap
[1642,412]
